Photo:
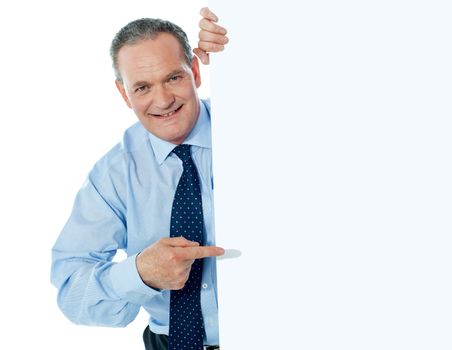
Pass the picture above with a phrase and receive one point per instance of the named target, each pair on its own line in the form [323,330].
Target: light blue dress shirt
[126,204]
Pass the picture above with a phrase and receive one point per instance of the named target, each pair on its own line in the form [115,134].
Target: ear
[123,93]
[196,72]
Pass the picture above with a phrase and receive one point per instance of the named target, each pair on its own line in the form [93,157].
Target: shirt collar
[199,136]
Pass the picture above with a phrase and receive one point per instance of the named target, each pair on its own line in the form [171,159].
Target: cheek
[186,89]
[140,105]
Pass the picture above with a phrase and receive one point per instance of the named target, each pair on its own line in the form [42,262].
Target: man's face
[160,86]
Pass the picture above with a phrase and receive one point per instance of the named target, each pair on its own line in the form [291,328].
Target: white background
[387,289]
[60,112]
[332,161]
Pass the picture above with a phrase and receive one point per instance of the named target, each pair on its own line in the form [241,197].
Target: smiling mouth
[167,115]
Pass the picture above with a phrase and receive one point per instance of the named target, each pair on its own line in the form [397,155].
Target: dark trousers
[154,341]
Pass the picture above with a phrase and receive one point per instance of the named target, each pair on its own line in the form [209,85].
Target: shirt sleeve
[92,289]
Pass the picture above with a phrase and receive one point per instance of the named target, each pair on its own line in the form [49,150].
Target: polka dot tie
[186,326]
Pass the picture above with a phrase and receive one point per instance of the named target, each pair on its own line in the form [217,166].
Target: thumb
[203,56]
[180,242]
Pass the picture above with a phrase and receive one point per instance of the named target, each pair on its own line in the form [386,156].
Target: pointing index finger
[202,252]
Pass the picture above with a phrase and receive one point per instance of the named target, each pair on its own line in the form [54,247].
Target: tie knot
[183,152]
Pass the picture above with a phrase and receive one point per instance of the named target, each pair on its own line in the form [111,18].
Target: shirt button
[204,285]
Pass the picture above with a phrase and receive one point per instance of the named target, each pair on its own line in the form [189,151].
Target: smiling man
[151,196]
[159,83]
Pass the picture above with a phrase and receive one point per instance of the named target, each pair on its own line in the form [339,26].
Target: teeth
[168,114]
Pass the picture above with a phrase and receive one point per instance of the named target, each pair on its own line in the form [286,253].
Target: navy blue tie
[186,326]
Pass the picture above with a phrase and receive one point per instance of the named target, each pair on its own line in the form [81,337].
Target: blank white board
[332,126]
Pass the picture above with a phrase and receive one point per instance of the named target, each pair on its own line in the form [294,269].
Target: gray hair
[147,28]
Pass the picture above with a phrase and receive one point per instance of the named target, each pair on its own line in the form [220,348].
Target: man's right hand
[166,264]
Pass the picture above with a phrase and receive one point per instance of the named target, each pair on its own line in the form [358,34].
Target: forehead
[150,58]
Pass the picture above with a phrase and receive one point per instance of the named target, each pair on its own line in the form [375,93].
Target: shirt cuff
[128,284]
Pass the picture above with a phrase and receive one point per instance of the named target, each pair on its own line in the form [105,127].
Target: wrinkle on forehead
[151,58]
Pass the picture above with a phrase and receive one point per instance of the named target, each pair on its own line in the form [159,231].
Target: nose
[163,99]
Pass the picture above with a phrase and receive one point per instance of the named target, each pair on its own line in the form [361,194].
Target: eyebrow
[176,72]
[139,83]
[143,82]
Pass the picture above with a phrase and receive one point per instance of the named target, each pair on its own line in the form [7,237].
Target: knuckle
[181,286]
[180,273]
[172,256]
[185,276]
[215,47]
[203,23]
[209,47]
[203,45]
[181,240]
[163,240]
[216,29]
[208,25]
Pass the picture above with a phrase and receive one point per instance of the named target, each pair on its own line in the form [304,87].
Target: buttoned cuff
[128,284]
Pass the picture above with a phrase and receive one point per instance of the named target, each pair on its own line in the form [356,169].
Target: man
[151,195]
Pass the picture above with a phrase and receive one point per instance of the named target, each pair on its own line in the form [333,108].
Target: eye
[174,78]
[141,89]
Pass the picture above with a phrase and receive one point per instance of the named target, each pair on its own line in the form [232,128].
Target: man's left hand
[212,37]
